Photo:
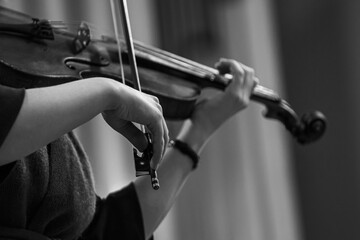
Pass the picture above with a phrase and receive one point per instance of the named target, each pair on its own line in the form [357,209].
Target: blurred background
[254,182]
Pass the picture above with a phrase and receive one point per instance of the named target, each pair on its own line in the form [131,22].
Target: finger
[237,71]
[135,136]
[166,137]
[255,83]
[226,64]
[244,74]
[155,99]
[166,133]
[232,66]
[138,139]
[223,65]
[156,126]
[157,130]
[164,127]
[164,143]
[155,102]
[243,83]
[250,80]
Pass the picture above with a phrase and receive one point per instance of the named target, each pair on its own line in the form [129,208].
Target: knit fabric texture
[50,192]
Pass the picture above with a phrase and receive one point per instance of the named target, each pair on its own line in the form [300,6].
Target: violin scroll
[313,127]
[309,128]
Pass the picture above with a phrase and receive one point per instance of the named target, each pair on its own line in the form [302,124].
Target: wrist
[194,135]
[185,149]
[110,93]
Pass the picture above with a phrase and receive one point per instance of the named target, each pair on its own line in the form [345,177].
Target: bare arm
[176,167]
[47,113]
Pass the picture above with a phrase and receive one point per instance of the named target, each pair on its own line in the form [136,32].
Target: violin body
[44,62]
[35,54]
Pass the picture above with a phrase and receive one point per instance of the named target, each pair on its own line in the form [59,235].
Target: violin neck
[205,76]
[158,59]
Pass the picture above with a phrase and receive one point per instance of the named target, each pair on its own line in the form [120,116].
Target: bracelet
[187,150]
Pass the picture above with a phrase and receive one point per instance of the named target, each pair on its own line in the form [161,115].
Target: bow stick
[142,159]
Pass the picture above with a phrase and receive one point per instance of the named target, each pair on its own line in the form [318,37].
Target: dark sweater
[50,193]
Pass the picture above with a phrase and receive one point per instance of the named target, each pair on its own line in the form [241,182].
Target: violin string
[163,57]
[153,56]
[73,26]
[204,71]
[117,30]
[176,60]
[172,63]
[170,57]
[210,73]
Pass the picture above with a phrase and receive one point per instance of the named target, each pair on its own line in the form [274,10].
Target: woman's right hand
[127,106]
[46,115]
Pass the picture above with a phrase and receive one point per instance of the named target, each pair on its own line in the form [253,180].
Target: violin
[46,56]
[37,53]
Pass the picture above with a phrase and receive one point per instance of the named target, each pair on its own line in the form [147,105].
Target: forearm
[173,173]
[48,113]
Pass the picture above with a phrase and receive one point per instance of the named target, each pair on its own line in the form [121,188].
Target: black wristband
[187,150]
